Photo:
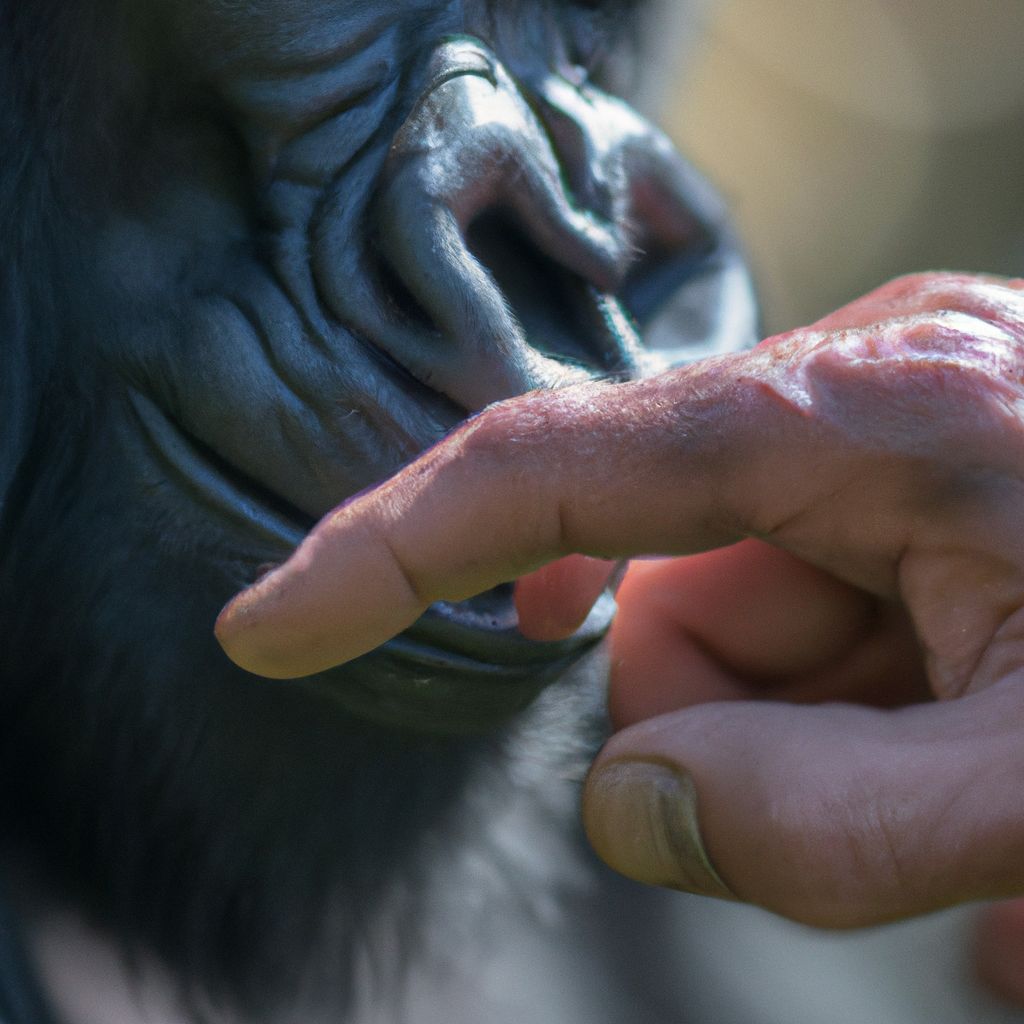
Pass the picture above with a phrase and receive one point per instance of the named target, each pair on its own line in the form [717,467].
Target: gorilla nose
[513,224]
[480,229]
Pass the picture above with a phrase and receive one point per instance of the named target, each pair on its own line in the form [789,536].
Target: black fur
[245,833]
[257,838]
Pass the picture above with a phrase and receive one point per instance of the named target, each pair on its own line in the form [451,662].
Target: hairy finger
[854,451]
[488,506]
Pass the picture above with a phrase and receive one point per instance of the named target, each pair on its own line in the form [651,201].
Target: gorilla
[256,256]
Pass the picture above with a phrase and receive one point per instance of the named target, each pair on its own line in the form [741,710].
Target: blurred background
[853,141]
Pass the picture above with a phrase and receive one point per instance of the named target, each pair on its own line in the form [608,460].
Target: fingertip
[339,595]
[552,602]
[250,643]
[229,628]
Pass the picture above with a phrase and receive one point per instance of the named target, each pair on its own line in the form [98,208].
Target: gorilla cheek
[512,233]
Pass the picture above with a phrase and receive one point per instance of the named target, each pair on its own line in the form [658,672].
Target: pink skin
[553,601]
[878,459]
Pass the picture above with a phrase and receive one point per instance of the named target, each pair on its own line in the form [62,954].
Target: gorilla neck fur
[321,915]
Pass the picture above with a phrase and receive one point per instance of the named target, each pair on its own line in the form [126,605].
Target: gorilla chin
[259,256]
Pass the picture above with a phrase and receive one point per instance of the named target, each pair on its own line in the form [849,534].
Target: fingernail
[641,818]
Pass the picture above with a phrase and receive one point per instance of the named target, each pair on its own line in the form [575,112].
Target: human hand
[880,453]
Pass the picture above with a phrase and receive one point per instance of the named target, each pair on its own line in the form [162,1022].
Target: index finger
[604,470]
[826,442]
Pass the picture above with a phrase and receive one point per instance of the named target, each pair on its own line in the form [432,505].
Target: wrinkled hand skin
[882,445]
[907,408]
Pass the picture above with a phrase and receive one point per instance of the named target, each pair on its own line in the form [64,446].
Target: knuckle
[505,451]
[515,432]
[531,448]
[497,437]
[912,284]
[949,357]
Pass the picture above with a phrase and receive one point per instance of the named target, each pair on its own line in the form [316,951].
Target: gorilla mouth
[459,668]
[462,667]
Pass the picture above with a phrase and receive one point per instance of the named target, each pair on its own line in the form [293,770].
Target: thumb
[835,815]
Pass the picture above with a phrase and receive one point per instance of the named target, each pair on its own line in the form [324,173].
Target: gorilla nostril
[662,267]
[508,215]
[472,190]
[562,315]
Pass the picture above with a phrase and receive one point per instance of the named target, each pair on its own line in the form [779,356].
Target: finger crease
[412,585]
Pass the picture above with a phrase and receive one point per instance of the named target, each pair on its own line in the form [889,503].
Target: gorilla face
[263,254]
[425,209]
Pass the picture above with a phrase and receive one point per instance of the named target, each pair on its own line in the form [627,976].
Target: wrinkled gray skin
[294,243]
[437,210]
